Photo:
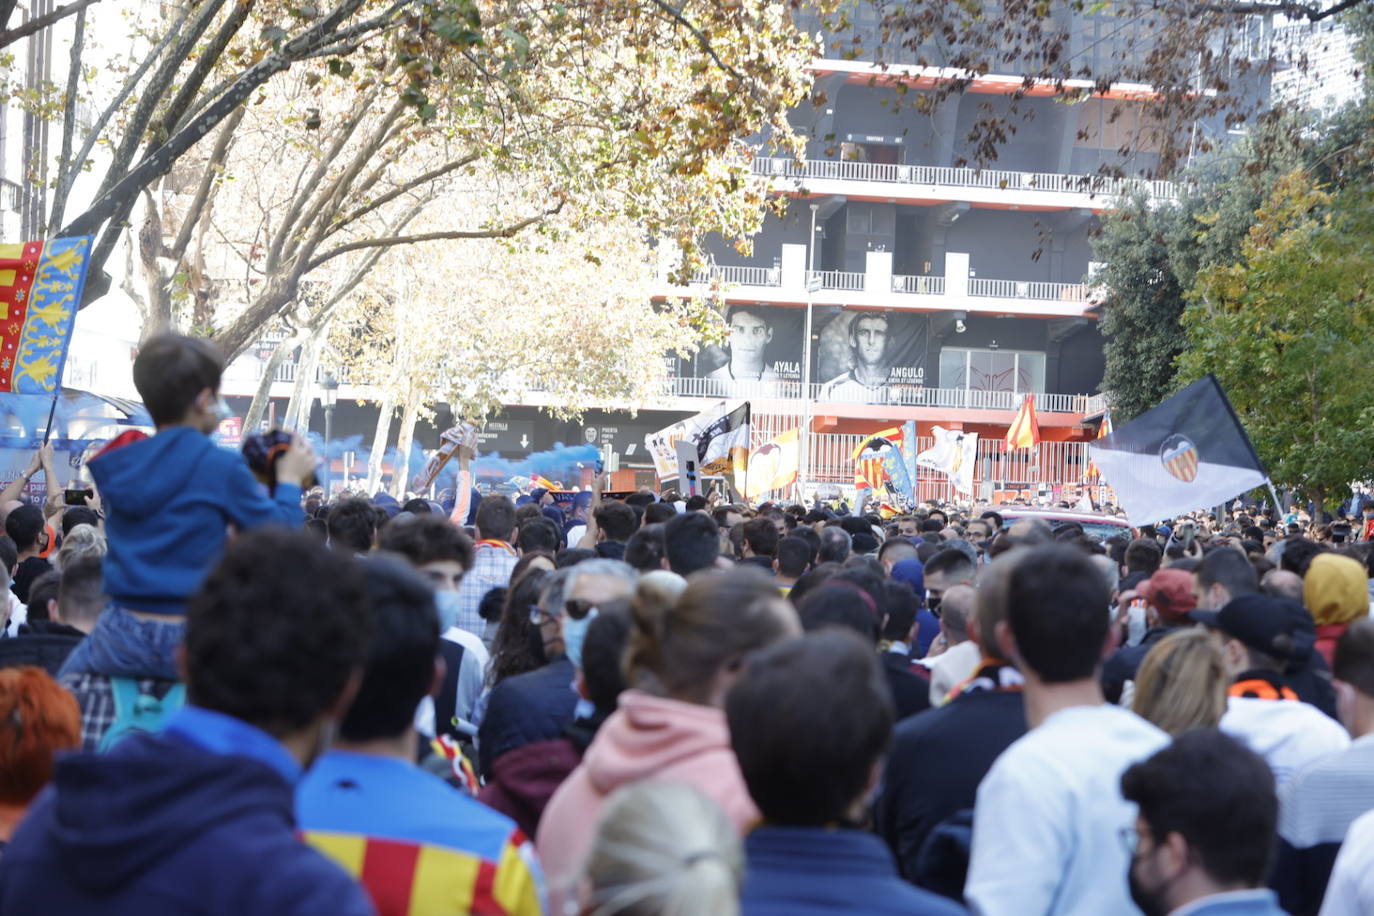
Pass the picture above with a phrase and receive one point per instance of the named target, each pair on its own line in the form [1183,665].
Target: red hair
[37,718]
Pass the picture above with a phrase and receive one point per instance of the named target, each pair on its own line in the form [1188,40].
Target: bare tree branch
[503,232]
[10,36]
[396,192]
[206,59]
[70,168]
[69,112]
[284,229]
[1290,9]
[207,181]
[705,43]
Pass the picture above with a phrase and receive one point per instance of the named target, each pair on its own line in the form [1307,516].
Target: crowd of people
[225,694]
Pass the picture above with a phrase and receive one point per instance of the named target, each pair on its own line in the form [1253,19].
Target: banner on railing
[858,352]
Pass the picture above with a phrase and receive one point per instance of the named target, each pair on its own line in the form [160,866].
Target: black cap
[1275,626]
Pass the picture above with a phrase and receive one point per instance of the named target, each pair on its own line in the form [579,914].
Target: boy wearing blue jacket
[171,501]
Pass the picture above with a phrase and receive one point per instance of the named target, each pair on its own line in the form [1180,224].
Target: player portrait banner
[40,291]
[859,355]
[763,343]
[1189,452]
[721,436]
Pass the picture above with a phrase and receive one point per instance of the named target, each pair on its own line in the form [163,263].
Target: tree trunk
[400,473]
[379,439]
[303,392]
[253,419]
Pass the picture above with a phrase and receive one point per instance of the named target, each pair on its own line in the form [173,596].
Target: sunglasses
[576,608]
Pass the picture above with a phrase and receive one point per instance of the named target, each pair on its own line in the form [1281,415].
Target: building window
[992,370]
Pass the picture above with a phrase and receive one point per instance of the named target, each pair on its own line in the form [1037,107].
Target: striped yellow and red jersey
[419,846]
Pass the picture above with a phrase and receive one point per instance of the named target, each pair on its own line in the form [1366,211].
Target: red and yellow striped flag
[40,291]
[1104,429]
[1025,429]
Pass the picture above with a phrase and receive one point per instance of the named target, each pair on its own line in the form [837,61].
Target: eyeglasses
[538,616]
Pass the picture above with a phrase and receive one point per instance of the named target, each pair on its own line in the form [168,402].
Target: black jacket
[42,643]
[910,691]
[1123,664]
[535,706]
[937,761]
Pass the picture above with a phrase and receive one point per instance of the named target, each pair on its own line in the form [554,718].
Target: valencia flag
[1025,429]
[1190,452]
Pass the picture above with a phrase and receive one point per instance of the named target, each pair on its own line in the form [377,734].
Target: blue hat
[524,500]
[387,502]
[554,514]
[912,572]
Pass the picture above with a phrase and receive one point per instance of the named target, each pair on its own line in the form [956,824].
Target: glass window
[992,370]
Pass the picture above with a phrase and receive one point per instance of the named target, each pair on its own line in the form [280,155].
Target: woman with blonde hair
[662,849]
[1182,683]
[81,541]
[684,653]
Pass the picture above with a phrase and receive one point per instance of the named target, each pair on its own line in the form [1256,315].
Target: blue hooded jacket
[168,502]
[160,825]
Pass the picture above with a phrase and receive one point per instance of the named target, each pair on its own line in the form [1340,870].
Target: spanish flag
[1025,429]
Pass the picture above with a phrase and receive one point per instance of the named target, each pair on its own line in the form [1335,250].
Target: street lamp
[813,283]
[329,394]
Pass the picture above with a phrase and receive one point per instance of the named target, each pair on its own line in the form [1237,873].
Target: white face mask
[221,410]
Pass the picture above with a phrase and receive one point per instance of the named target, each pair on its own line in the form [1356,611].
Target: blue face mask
[447,602]
[575,634]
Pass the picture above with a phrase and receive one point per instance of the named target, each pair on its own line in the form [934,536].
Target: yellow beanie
[1335,589]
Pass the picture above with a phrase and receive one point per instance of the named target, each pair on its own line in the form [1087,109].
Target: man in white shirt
[1260,638]
[1049,816]
[1323,800]
[1203,839]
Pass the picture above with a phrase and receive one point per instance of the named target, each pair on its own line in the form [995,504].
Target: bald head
[1028,532]
[957,613]
[1282,583]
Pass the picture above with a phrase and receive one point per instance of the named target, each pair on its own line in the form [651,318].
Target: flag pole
[52,415]
[1278,507]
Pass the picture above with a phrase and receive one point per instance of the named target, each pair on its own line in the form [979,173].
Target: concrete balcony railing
[940,176]
[1017,289]
[904,395]
[787,282]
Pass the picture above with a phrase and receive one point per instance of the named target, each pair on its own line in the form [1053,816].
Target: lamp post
[329,394]
[813,283]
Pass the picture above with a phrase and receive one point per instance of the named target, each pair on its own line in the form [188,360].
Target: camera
[262,450]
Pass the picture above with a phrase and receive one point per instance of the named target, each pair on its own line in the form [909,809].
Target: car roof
[1058,515]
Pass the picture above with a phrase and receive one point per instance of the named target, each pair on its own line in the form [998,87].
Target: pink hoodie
[648,737]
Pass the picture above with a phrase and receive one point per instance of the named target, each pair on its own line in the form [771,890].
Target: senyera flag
[775,464]
[1190,452]
[40,291]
